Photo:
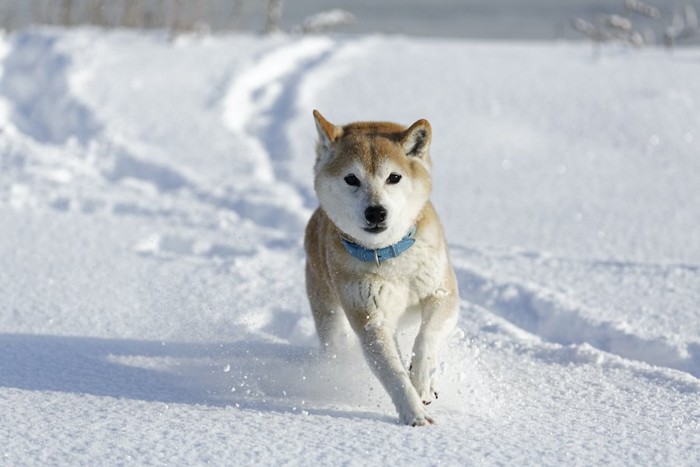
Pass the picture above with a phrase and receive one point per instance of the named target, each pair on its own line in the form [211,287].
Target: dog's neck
[379,255]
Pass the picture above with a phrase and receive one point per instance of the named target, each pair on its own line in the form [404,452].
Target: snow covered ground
[153,195]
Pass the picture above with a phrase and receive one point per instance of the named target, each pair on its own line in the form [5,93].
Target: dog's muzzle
[375,216]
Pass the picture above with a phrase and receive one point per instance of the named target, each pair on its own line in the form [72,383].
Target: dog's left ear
[416,140]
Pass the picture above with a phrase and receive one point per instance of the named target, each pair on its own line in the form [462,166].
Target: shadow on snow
[269,377]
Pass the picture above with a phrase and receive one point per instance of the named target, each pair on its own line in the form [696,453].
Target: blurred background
[633,21]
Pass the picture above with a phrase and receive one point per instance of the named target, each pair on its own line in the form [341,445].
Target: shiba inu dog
[376,251]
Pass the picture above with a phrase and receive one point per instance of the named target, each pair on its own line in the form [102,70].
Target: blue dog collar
[380,254]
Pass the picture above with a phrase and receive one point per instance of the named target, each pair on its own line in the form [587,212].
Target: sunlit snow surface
[153,195]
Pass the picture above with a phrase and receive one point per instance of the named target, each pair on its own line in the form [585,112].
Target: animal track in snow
[262,100]
[555,317]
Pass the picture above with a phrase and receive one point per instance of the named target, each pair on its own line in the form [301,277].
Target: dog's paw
[423,380]
[425,387]
[416,417]
[429,400]
[423,420]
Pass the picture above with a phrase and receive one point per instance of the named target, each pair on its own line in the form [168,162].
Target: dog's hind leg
[332,326]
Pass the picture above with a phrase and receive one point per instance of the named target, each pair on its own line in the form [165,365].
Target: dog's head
[373,178]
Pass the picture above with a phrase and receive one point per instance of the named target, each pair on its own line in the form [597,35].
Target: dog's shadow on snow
[269,377]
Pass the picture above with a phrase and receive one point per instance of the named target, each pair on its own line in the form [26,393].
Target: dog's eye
[393,179]
[352,180]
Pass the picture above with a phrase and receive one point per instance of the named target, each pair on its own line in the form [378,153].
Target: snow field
[153,195]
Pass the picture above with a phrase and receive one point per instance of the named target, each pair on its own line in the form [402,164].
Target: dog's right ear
[327,132]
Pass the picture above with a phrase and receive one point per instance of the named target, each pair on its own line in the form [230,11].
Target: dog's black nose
[375,214]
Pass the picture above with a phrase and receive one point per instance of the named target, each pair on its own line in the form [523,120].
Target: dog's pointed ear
[327,132]
[416,140]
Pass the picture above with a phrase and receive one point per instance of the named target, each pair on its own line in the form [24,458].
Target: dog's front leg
[384,359]
[439,316]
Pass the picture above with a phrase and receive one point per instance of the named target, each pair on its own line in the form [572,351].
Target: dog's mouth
[375,229]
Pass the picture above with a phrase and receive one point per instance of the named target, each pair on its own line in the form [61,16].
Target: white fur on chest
[386,292]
